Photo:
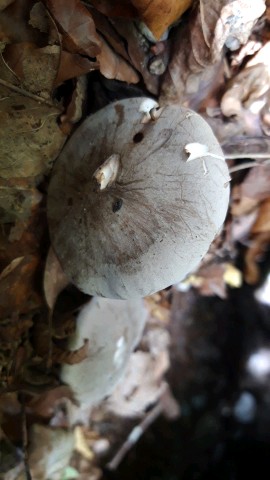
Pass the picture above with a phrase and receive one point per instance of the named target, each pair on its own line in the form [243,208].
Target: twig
[134,436]
[21,91]
[253,156]
[245,165]
[28,475]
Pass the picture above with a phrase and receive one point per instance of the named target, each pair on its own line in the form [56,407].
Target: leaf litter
[210,56]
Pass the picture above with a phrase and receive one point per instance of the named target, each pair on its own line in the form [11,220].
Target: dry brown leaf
[39,17]
[262,224]
[18,292]
[17,201]
[70,357]
[44,405]
[75,108]
[73,65]
[104,26]
[255,253]
[198,45]
[158,15]
[254,189]
[30,138]
[260,243]
[245,88]
[12,330]
[139,52]
[76,25]
[115,67]
[35,67]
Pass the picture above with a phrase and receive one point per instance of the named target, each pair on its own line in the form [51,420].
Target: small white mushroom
[155,214]
[113,328]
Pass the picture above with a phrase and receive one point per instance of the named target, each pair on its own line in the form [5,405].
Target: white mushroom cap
[113,328]
[148,224]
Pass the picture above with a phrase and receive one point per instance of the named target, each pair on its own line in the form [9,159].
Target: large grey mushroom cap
[155,221]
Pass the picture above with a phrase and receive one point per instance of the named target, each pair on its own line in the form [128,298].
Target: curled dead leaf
[262,224]
[76,25]
[139,52]
[244,89]
[115,67]
[260,243]
[254,189]
[70,357]
[35,67]
[158,15]
[198,44]
[255,253]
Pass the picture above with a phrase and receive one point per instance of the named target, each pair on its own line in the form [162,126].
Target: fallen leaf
[30,138]
[39,17]
[18,291]
[235,23]
[76,25]
[104,26]
[46,403]
[198,43]
[50,451]
[115,67]
[76,106]
[70,357]
[254,189]
[35,67]
[139,52]
[158,15]
[141,386]
[73,65]
[246,87]
[17,200]
[262,223]
[255,253]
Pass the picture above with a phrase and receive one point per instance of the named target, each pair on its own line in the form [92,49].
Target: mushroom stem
[107,173]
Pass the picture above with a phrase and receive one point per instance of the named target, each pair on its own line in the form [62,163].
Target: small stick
[25,93]
[28,475]
[134,436]
[245,165]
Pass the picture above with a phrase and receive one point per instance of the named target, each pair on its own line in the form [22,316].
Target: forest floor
[195,399]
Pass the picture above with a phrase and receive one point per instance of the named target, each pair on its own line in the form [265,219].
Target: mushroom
[113,328]
[136,199]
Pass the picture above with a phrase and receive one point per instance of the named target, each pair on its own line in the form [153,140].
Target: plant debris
[204,354]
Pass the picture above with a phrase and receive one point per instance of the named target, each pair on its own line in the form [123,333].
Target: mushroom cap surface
[113,328]
[156,221]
